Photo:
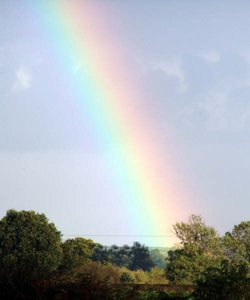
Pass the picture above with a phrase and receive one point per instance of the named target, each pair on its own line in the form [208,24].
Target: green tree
[101,254]
[196,236]
[120,256]
[75,252]
[30,249]
[158,259]
[228,282]
[200,249]
[140,258]
[237,243]
[91,280]
[134,258]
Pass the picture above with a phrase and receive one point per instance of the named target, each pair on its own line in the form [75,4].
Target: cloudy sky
[192,58]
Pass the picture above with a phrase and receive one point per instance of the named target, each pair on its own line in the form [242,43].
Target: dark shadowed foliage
[229,282]
[30,251]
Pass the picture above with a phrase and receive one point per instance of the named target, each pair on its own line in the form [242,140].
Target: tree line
[36,264]
[218,266]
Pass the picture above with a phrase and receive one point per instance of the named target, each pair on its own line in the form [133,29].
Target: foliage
[237,243]
[91,280]
[94,280]
[75,252]
[154,276]
[135,257]
[141,258]
[157,276]
[201,249]
[196,236]
[229,282]
[126,277]
[30,249]
[101,254]
[141,276]
[33,259]
[158,295]
[95,274]
[120,256]
[158,259]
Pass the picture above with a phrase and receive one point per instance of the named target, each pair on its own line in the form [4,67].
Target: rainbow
[113,101]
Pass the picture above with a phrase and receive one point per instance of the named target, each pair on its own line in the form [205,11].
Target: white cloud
[173,68]
[211,56]
[23,79]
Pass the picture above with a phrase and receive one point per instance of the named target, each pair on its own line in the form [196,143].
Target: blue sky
[193,58]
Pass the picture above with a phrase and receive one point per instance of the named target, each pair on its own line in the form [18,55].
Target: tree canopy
[135,257]
[228,282]
[237,243]
[75,252]
[30,247]
[201,248]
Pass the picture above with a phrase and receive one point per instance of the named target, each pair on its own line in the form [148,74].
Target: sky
[192,60]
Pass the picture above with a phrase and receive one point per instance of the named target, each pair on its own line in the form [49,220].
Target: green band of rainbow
[110,98]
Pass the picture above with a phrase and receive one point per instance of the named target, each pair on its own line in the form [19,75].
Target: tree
[237,243]
[30,249]
[91,280]
[75,252]
[228,282]
[121,256]
[201,248]
[140,258]
[196,236]
[134,258]
[101,254]
[158,259]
